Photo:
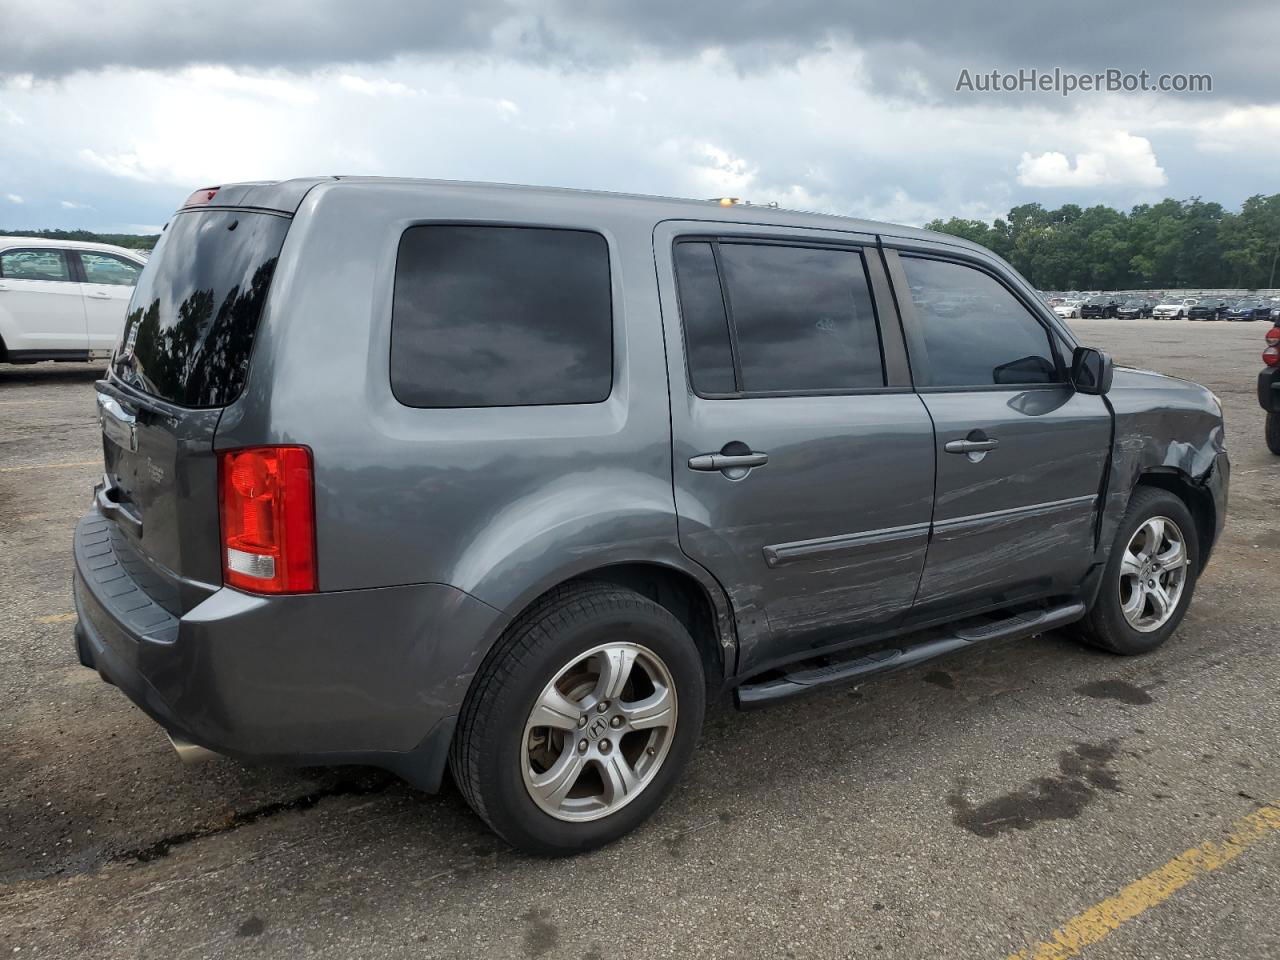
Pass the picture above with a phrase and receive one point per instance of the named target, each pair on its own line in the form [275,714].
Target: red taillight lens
[1271,356]
[268,520]
[202,196]
[1273,335]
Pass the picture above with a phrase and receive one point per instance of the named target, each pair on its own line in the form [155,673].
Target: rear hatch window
[191,323]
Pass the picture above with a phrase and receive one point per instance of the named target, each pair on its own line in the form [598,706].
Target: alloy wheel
[599,732]
[1153,574]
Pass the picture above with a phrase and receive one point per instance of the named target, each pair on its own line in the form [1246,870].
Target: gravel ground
[967,808]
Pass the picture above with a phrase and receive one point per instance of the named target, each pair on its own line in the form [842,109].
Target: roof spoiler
[279,196]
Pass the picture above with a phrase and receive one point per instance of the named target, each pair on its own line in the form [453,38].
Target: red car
[1269,387]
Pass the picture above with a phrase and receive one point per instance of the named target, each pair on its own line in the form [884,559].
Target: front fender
[1162,425]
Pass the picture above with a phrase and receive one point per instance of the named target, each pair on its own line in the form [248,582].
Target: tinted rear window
[501,316]
[193,316]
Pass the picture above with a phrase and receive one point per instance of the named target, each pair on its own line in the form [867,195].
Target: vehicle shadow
[40,373]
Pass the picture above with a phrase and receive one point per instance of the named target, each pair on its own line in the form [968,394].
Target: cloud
[374,88]
[1120,159]
[72,205]
[1238,130]
[257,85]
[13,198]
[127,165]
[818,134]
[916,53]
[57,40]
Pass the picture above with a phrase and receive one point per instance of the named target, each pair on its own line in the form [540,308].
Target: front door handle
[970,446]
[727,461]
[99,296]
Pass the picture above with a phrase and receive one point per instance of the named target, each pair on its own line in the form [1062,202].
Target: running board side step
[802,679]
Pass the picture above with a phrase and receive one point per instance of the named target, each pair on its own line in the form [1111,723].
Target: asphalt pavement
[1033,798]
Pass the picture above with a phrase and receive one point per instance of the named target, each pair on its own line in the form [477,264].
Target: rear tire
[511,769]
[1273,433]
[1150,620]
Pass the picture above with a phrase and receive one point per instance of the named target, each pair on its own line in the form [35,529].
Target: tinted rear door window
[501,316]
[706,326]
[975,331]
[192,320]
[803,318]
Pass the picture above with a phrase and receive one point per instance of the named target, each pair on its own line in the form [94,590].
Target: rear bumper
[1269,389]
[364,676]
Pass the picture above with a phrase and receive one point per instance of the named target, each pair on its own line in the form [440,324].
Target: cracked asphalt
[967,808]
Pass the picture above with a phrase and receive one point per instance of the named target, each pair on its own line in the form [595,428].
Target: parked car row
[1163,307]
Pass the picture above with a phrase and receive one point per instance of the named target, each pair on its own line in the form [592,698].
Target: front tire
[1149,578]
[1273,433]
[580,720]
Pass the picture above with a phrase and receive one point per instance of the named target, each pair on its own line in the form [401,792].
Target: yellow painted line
[50,466]
[1098,921]
[57,618]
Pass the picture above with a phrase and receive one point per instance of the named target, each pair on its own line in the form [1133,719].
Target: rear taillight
[1271,356]
[268,519]
[1273,336]
[201,197]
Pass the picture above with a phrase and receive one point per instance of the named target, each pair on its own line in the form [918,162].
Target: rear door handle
[99,296]
[970,446]
[727,461]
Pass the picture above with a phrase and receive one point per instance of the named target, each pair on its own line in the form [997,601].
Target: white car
[1173,309]
[1068,309]
[63,299]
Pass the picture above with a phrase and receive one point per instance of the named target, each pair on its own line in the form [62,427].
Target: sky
[110,114]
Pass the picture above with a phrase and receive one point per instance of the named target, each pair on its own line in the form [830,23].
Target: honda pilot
[511,480]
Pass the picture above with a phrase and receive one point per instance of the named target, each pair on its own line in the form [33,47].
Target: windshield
[190,326]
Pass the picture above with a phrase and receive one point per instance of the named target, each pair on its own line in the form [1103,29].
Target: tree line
[129,240]
[1173,243]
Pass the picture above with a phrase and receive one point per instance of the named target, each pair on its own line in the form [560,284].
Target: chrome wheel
[1153,574]
[599,732]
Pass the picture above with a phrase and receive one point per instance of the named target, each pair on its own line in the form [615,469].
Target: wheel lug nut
[582,721]
[582,746]
[615,722]
[605,746]
[602,706]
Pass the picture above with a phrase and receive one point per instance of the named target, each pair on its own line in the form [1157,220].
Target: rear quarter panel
[499,502]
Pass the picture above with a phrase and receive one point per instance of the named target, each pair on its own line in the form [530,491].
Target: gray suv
[512,480]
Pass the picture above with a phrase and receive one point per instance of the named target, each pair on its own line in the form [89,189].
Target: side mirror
[1091,371]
